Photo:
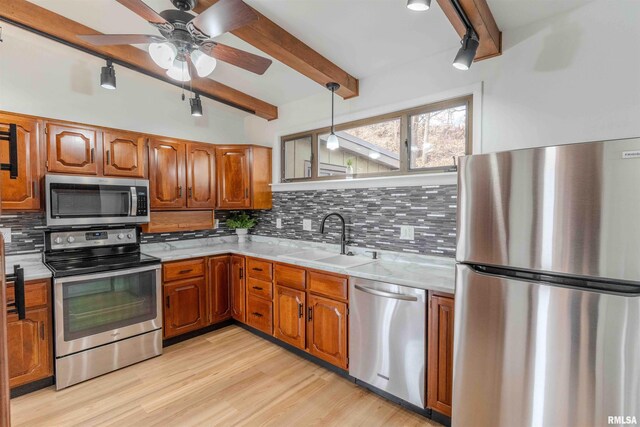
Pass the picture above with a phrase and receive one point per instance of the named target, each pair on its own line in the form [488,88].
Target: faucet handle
[374,254]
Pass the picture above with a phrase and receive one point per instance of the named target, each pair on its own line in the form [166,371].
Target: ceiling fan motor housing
[184,4]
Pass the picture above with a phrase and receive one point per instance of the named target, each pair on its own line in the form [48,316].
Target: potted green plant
[349,168]
[241,222]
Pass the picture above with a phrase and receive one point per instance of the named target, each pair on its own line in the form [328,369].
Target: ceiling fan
[186,48]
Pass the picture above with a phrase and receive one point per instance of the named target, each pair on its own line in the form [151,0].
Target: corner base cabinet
[440,353]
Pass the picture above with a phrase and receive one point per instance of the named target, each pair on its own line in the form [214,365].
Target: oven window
[99,305]
[81,201]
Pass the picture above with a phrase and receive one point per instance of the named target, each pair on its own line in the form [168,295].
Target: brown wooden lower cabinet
[219,289]
[238,291]
[289,316]
[440,353]
[184,306]
[260,313]
[327,330]
[29,341]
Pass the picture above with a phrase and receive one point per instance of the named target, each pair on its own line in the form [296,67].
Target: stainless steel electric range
[107,294]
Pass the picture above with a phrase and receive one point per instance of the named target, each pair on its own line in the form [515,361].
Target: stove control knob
[71,239]
[129,236]
[58,240]
[120,236]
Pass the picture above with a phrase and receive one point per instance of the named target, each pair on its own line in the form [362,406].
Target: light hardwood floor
[227,377]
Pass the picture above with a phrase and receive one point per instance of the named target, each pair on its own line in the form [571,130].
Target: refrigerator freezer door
[530,354]
[570,210]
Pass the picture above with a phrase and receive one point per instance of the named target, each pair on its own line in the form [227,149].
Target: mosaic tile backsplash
[373,218]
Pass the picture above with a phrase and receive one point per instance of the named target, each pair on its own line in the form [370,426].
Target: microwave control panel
[143,202]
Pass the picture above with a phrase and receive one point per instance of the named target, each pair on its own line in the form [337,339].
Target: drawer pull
[257,288]
[256,314]
[300,310]
[186,271]
[256,269]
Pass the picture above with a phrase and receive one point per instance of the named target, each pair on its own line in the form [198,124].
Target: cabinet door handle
[180,191]
[168,301]
[190,192]
[257,288]
[36,188]
[42,331]
[256,314]
[241,272]
[310,314]
[93,155]
[108,156]
[185,271]
[300,310]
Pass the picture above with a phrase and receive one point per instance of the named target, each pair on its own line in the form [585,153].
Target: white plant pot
[242,234]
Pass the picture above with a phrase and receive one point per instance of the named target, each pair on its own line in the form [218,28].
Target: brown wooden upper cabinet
[167,184]
[71,149]
[22,193]
[123,154]
[201,176]
[244,177]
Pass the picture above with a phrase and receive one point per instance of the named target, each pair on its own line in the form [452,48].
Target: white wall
[45,78]
[572,78]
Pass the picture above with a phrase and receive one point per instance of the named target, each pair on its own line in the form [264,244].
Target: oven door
[97,309]
[78,200]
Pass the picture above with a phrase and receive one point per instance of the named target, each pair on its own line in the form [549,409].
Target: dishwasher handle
[386,294]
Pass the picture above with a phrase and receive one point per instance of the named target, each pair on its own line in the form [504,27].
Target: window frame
[405,132]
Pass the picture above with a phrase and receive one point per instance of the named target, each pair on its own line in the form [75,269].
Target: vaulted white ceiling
[363,37]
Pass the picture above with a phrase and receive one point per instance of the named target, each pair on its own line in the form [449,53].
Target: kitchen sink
[311,255]
[343,261]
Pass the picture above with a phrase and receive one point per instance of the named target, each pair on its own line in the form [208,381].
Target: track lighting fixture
[418,5]
[332,141]
[108,76]
[196,106]
[467,51]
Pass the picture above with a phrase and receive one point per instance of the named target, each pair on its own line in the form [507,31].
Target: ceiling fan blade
[224,16]
[140,8]
[114,39]
[239,58]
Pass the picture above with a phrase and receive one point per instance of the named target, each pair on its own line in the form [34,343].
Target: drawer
[261,270]
[291,277]
[36,293]
[260,288]
[183,269]
[333,286]
[260,314]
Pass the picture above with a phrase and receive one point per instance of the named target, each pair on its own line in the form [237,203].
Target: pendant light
[332,141]
[467,51]
[108,76]
[418,5]
[196,106]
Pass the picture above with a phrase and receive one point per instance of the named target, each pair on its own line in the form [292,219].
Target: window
[422,139]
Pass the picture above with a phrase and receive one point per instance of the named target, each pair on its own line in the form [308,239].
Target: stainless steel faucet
[343,237]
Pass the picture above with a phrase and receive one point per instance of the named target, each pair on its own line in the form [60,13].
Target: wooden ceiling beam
[483,23]
[276,42]
[49,24]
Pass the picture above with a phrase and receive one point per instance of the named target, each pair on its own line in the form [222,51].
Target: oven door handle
[133,200]
[112,273]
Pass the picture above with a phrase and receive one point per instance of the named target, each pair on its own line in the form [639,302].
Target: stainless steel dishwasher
[387,338]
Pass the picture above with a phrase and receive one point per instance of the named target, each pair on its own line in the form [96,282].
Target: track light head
[418,5]
[467,51]
[196,106]
[108,76]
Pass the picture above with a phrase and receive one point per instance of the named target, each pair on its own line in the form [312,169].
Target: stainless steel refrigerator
[547,320]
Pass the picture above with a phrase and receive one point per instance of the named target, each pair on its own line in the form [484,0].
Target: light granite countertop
[34,269]
[418,271]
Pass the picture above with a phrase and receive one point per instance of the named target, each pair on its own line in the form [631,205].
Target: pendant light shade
[418,5]
[196,106]
[467,51]
[108,76]
[163,54]
[203,63]
[179,71]
[332,141]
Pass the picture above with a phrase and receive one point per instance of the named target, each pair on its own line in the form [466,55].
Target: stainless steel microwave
[81,201]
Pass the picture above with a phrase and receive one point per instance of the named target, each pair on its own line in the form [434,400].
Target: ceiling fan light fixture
[196,106]
[203,63]
[179,71]
[418,5]
[108,76]
[467,51]
[163,54]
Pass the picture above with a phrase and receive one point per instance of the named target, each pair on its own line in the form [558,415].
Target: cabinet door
[71,149]
[219,289]
[22,193]
[289,321]
[123,154]
[201,169]
[166,174]
[440,354]
[185,305]
[234,179]
[238,300]
[29,346]
[327,330]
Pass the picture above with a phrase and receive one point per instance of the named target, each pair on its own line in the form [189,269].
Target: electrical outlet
[306,225]
[6,233]
[278,223]
[406,232]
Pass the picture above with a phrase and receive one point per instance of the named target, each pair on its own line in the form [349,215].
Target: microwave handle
[134,202]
